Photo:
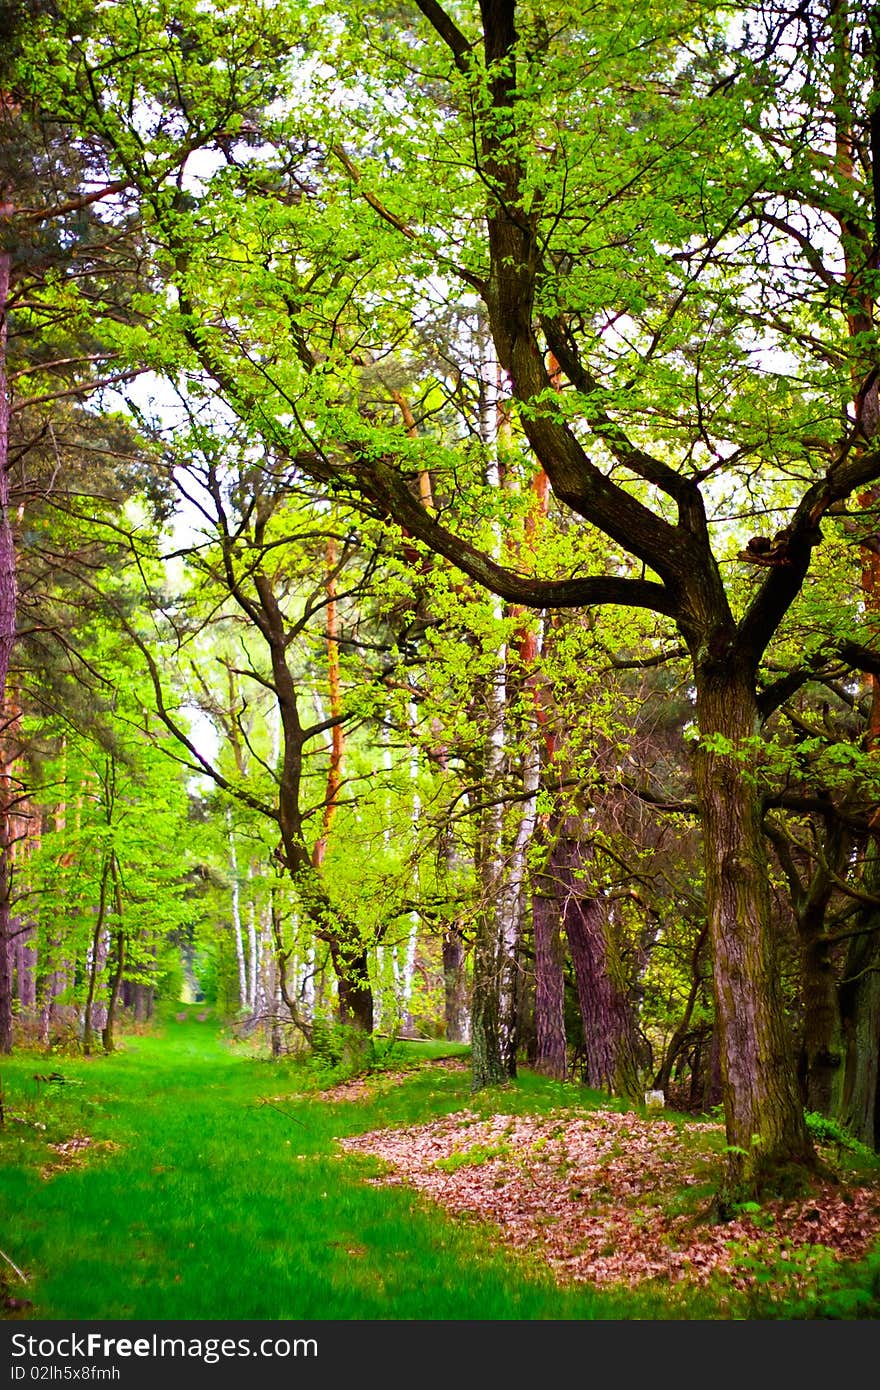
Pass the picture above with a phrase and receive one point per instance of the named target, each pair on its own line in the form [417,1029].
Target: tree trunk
[514,900]
[348,954]
[95,961]
[488,1066]
[351,965]
[551,1056]
[713,1089]
[766,1131]
[116,984]
[610,1052]
[821,1042]
[493,1021]
[819,1060]
[107,1032]
[143,1003]
[253,947]
[860,988]
[235,903]
[455,986]
[489,1061]
[26,968]
[860,1008]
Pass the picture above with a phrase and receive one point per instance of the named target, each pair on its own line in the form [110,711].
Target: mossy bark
[488,1065]
[766,1130]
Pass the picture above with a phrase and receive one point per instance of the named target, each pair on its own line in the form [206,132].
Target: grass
[213,1189]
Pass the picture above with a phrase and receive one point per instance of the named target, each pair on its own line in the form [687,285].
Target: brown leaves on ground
[611,1198]
[72,1153]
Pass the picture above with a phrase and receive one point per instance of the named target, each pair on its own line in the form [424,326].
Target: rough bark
[25,965]
[488,1063]
[821,1058]
[766,1131]
[551,1055]
[455,987]
[610,1057]
[820,1054]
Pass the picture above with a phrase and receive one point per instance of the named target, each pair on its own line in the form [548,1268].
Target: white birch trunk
[409,960]
[253,972]
[236,916]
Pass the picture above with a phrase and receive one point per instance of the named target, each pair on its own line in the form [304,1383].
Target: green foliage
[826,1130]
[475,1156]
[807,1283]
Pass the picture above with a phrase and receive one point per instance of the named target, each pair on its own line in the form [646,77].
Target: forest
[440,568]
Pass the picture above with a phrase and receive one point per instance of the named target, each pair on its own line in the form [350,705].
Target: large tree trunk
[353,981]
[766,1130]
[610,1053]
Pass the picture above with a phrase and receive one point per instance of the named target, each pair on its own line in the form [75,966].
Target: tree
[106,887]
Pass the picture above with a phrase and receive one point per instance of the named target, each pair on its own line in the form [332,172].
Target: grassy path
[225,1197]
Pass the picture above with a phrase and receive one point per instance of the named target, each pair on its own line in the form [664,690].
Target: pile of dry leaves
[604,1198]
[72,1153]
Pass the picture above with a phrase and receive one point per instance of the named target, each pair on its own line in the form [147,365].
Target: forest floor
[186,1176]
[614,1198]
